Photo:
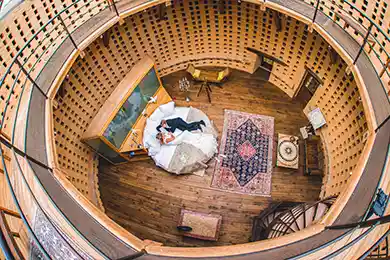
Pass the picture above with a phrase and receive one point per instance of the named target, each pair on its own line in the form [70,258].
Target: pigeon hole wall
[194,32]
[190,32]
[378,11]
[24,32]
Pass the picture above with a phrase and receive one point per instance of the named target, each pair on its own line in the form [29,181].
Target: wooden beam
[260,53]
[162,12]
[10,212]
[9,238]
[5,135]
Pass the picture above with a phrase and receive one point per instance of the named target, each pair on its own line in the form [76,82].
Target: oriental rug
[245,161]
[57,244]
[204,226]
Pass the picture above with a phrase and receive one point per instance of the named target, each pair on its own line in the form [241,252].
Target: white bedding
[190,150]
[164,157]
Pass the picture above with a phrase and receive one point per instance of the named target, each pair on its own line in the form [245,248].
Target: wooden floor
[147,200]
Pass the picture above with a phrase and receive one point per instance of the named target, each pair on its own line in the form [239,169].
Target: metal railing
[27,64]
[8,236]
[362,38]
[363,29]
[24,69]
[371,252]
[22,215]
[16,73]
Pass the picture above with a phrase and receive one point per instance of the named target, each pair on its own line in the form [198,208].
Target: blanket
[190,151]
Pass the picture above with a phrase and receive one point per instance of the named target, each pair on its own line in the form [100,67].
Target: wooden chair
[313,156]
[207,77]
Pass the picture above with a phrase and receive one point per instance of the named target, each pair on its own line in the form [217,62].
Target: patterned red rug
[246,148]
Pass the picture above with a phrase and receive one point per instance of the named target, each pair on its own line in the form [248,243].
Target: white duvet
[190,150]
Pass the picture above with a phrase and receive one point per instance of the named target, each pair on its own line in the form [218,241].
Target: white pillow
[168,108]
[151,127]
[157,115]
[152,144]
[154,150]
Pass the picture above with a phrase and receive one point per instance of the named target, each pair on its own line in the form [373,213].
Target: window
[267,63]
[311,82]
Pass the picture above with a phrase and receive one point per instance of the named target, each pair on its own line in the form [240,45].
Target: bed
[190,151]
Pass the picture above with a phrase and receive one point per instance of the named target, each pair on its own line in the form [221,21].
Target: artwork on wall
[115,133]
[316,118]
[126,117]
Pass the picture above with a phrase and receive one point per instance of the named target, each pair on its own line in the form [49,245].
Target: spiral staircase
[288,217]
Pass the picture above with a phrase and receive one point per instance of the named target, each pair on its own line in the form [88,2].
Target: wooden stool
[207,87]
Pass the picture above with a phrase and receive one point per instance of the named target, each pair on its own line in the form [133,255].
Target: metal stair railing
[18,63]
[36,67]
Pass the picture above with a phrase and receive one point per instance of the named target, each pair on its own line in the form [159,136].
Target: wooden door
[308,87]
[266,66]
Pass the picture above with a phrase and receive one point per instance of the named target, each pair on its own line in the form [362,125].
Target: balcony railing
[21,76]
[366,31]
[8,236]
[26,66]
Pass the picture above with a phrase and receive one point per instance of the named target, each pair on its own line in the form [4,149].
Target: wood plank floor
[147,200]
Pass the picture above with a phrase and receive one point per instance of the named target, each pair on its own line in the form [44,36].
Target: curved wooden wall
[377,11]
[15,224]
[197,33]
[16,29]
[13,31]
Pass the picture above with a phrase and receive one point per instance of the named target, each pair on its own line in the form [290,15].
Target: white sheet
[205,142]
[162,154]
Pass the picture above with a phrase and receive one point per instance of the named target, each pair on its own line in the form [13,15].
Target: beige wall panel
[198,34]
[193,33]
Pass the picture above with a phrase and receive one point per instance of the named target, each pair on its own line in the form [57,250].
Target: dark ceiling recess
[162,12]
[333,55]
[221,6]
[262,54]
[278,21]
[106,38]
